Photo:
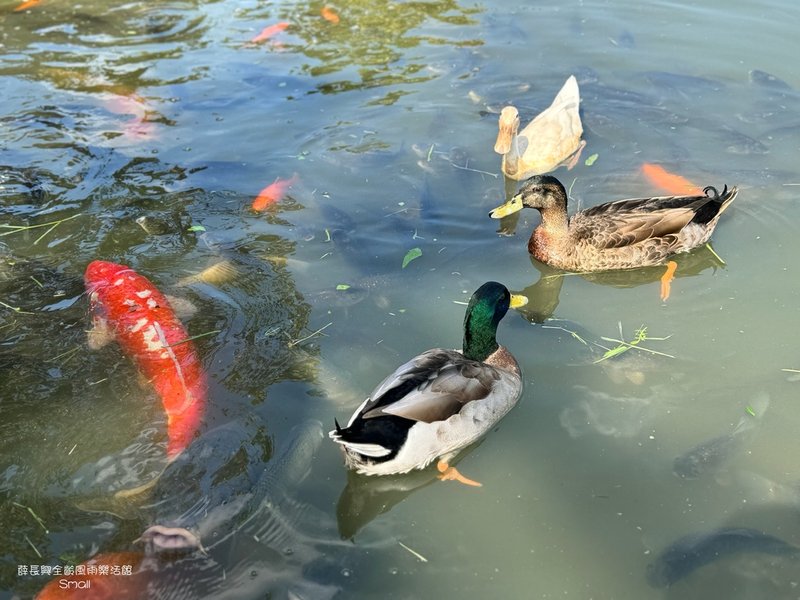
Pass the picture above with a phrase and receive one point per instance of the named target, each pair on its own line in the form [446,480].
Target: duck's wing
[627,222]
[431,387]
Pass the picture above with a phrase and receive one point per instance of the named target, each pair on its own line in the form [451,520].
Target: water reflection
[365,498]
[370,44]
[543,295]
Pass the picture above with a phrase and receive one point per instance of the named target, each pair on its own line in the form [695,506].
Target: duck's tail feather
[709,213]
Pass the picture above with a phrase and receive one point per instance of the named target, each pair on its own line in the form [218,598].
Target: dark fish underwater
[689,553]
[711,455]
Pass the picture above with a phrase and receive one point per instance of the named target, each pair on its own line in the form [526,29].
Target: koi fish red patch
[128,306]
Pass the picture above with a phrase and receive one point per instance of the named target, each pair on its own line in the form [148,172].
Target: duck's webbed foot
[573,160]
[666,279]
[449,473]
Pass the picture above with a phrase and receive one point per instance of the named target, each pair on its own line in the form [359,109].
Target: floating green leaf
[749,410]
[590,161]
[411,255]
[196,228]
[342,287]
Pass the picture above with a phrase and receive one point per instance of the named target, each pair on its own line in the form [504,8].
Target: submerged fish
[155,225]
[219,273]
[329,14]
[127,307]
[768,80]
[710,455]
[26,5]
[686,86]
[669,182]
[269,32]
[253,544]
[222,510]
[696,550]
[273,193]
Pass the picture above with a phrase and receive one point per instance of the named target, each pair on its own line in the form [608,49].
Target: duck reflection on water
[365,498]
[543,294]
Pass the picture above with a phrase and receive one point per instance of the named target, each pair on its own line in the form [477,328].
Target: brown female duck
[624,234]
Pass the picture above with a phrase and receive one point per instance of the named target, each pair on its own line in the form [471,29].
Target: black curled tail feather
[718,202]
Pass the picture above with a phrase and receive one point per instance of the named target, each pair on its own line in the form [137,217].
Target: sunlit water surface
[162,112]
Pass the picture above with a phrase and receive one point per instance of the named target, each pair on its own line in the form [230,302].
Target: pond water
[141,132]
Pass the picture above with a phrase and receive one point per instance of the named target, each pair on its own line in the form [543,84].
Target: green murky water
[141,132]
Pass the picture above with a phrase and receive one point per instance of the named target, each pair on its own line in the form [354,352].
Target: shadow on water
[366,498]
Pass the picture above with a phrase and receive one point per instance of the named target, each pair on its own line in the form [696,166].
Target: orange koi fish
[111,576]
[329,14]
[128,306]
[140,129]
[273,193]
[269,31]
[669,182]
[26,5]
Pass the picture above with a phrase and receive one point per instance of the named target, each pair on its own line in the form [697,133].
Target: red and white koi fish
[273,193]
[127,307]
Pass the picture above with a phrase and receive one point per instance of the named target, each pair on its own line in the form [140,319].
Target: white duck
[552,139]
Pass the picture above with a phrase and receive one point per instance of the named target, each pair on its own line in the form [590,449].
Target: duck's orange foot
[667,278]
[573,160]
[449,473]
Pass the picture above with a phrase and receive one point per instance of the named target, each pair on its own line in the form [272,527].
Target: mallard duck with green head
[440,401]
[624,234]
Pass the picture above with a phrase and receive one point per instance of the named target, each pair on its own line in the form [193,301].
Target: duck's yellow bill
[518,300]
[508,125]
[508,208]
